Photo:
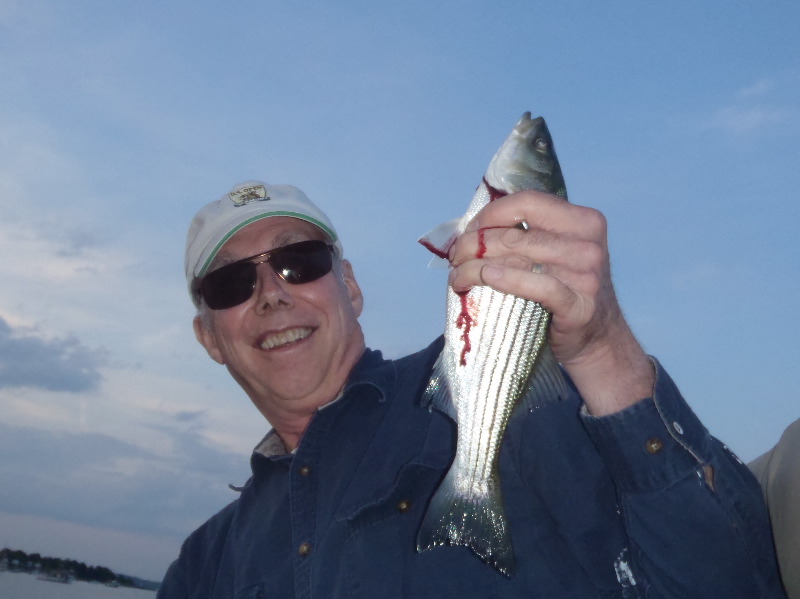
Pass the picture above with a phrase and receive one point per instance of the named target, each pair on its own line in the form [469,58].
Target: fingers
[552,228]
[541,287]
[570,299]
[543,211]
[560,260]
[534,249]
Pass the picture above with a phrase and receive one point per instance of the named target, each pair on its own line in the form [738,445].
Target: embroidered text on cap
[245,195]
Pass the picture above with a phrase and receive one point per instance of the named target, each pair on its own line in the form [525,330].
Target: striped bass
[495,357]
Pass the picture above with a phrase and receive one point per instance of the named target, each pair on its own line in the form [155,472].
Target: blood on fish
[435,250]
[481,243]
[482,240]
[464,321]
[494,193]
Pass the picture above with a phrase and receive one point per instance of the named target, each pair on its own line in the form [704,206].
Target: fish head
[527,160]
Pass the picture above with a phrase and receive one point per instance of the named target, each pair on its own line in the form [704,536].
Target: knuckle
[592,221]
[512,236]
[516,262]
[597,223]
[593,255]
[591,285]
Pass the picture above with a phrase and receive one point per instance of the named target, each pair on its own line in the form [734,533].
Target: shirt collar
[271,446]
[371,369]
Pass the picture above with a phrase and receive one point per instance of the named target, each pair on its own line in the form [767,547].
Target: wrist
[613,375]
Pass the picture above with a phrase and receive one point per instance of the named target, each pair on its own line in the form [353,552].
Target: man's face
[290,347]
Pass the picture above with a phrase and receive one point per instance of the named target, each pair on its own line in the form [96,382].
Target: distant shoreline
[61,570]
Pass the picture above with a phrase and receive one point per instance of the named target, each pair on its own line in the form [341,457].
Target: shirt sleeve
[194,574]
[174,584]
[694,514]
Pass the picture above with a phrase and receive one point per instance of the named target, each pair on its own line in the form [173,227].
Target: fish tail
[473,519]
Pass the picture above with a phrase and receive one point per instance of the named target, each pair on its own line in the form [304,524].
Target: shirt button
[305,471]
[403,506]
[304,549]
[654,445]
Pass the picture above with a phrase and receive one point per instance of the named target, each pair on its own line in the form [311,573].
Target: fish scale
[495,358]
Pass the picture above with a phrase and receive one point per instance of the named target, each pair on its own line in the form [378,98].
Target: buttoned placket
[304,483]
[303,504]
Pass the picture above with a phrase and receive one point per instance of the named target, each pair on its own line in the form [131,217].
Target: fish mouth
[284,338]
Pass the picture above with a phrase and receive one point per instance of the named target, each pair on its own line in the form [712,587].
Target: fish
[495,357]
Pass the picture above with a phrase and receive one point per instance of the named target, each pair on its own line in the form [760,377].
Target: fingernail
[491,273]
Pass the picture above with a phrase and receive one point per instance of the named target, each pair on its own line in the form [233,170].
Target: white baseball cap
[246,203]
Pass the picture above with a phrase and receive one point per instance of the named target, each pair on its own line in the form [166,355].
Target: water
[14,585]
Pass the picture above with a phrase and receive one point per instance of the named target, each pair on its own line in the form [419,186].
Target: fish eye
[541,144]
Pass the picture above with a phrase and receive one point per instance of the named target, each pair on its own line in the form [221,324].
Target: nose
[271,291]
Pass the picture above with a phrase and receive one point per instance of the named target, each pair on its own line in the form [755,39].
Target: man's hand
[539,247]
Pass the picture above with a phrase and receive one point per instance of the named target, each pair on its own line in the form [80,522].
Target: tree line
[19,561]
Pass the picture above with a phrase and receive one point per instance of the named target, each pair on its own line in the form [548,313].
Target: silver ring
[538,268]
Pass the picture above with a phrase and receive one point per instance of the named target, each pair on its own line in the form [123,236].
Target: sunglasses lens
[302,262]
[296,263]
[229,286]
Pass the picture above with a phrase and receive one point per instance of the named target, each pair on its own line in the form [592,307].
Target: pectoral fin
[437,393]
[547,382]
[440,239]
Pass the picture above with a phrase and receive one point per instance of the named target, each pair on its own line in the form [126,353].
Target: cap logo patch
[246,195]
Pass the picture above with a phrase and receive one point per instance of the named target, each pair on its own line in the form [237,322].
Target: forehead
[267,234]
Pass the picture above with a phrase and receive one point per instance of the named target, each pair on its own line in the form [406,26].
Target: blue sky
[677,120]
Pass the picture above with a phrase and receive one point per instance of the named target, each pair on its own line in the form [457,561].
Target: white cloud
[161,475]
[756,107]
[747,119]
[61,364]
[760,88]
[700,274]
[144,409]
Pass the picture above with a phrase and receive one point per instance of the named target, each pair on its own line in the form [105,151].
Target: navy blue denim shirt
[643,503]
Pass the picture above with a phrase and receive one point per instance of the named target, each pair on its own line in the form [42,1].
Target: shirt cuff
[653,443]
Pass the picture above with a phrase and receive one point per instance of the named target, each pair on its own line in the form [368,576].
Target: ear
[206,337]
[353,290]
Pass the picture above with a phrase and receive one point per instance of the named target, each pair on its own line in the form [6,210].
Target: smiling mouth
[286,337]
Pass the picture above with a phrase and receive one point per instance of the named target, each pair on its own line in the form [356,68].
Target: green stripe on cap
[331,233]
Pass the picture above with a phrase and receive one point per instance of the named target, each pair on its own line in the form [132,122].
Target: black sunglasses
[234,283]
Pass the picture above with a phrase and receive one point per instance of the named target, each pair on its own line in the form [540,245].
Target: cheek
[204,333]
[227,329]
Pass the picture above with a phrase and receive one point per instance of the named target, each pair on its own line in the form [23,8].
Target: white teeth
[285,338]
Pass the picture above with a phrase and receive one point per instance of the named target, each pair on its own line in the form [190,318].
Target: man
[778,471]
[616,491]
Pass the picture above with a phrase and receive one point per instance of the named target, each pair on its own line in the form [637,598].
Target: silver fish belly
[495,357]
